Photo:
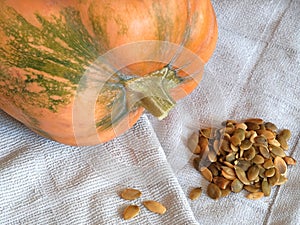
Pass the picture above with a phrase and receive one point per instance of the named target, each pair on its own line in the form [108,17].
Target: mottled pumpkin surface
[47,46]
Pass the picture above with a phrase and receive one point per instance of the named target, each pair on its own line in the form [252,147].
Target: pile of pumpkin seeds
[249,155]
[132,211]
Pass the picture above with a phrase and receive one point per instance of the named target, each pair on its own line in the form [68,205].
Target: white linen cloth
[254,72]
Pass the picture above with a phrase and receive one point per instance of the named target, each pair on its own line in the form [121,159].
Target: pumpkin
[81,72]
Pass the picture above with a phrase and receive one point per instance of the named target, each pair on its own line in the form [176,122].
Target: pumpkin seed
[273,180]
[221,182]
[213,191]
[235,140]
[286,134]
[258,159]
[283,143]
[225,145]
[266,188]
[281,180]
[155,207]
[230,157]
[255,195]
[245,144]
[236,186]
[203,143]
[212,156]
[240,133]
[270,126]
[193,143]
[254,120]
[216,146]
[274,142]
[240,173]
[228,176]
[261,171]
[251,188]
[267,134]
[131,194]
[253,136]
[289,160]
[225,192]
[252,173]
[250,154]
[260,140]
[277,151]
[207,132]
[270,172]
[130,212]
[228,170]
[252,126]
[268,164]
[196,163]
[241,126]
[280,164]
[264,151]
[245,165]
[228,164]
[195,193]
[206,173]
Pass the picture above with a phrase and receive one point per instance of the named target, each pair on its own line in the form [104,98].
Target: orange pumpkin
[82,72]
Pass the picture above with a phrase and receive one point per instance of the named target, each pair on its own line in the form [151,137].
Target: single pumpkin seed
[245,144]
[193,142]
[274,142]
[203,143]
[252,126]
[130,212]
[131,194]
[267,134]
[155,207]
[235,140]
[206,173]
[270,126]
[229,129]
[225,192]
[280,164]
[251,188]
[286,134]
[212,156]
[273,180]
[213,170]
[245,165]
[240,173]
[250,154]
[270,172]
[258,159]
[230,157]
[228,176]
[254,120]
[228,164]
[268,164]
[289,160]
[206,132]
[255,195]
[283,143]
[236,186]
[196,162]
[252,173]
[221,182]
[264,151]
[260,140]
[228,170]
[266,188]
[241,126]
[282,180]
[240,133]
[216,145]
[253,136]
[225,145]
[213,191]
[195,193]
[277,151]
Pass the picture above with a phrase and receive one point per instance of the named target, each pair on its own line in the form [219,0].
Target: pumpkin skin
[46,47]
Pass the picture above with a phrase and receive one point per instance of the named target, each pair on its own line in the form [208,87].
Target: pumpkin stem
[152,92]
